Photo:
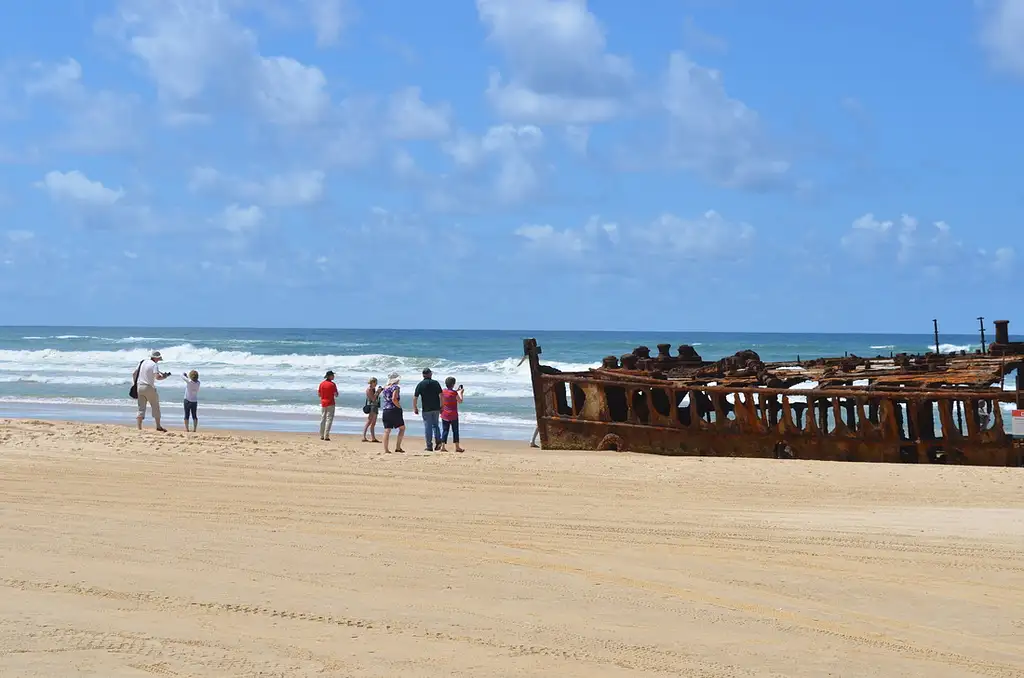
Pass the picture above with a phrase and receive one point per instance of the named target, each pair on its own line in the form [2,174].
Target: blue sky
[527,164]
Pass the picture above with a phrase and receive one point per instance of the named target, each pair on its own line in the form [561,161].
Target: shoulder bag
[133,392]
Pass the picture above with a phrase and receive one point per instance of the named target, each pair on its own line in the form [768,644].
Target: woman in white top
[191,398]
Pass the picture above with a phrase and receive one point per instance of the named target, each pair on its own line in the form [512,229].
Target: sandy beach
[241,554]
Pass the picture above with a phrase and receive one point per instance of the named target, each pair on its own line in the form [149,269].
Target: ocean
[267,378]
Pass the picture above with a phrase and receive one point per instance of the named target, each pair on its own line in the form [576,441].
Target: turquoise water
[267,378]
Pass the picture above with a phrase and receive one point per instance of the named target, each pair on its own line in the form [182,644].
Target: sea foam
[248,371]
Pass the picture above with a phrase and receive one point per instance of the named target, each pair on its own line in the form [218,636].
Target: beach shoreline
[343,441]
[240,553]
[214,418]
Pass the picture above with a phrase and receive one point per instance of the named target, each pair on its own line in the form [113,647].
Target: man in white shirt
[148,376]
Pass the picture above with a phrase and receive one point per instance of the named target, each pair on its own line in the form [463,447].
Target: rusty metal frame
[834,423]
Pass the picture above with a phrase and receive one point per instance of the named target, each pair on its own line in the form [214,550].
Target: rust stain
[901,408]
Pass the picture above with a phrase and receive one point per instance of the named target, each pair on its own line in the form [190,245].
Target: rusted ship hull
[916,409]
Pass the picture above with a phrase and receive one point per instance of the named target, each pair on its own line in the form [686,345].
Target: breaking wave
[248,371]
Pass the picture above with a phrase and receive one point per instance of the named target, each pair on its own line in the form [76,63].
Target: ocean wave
[63,337]
[885,347]
[139,340]
[190,356]
[345,385]
[239,370]
[955,348]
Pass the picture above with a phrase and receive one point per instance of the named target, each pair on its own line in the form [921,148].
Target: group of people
[439,406]
[144,391]
[440,410]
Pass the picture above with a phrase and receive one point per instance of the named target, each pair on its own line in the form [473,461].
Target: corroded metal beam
[644,411]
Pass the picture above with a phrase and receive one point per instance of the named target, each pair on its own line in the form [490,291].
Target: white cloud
[570,242]
[1004,260]
[290,93]
[561,72]
[62,79]
[518,176]
[183,44]
[329,18]
[288,189]
[383,225]
[510,154]
[907,241]
[96,121]
[560,69]
[564,242]
[185,118]
[404,165]
[409,117]
[866,235]
[240,220]
[465,149]
[709,237]
[20,236]
[714,134]
[1002,33]
[353,139]
[77,188]
[194,51]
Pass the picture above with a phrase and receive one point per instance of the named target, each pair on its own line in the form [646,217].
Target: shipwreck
[927,408]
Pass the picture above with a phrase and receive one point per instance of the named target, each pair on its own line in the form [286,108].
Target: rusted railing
[584,411]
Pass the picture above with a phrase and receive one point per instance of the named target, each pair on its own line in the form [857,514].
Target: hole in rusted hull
[660,401]
[618,409]
[683,415]
[562,400]
[640,407]
[579,399]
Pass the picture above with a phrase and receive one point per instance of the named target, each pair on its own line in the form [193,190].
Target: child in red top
[450,399]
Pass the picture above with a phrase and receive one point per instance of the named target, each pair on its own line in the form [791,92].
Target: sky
[728,165]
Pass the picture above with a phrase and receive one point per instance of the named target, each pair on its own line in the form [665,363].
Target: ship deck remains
[938,408]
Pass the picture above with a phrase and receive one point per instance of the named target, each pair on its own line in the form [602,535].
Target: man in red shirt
[328,391]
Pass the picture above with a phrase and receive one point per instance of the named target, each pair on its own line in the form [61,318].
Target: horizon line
[518,331]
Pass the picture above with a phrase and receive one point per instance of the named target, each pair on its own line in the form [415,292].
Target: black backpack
[133,392]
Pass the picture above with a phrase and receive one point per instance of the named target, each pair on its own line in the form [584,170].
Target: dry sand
[245,554]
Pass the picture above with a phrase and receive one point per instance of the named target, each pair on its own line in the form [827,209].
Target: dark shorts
[392,418]
[190,409]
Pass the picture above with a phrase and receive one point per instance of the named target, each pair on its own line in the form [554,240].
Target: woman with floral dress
[391,412]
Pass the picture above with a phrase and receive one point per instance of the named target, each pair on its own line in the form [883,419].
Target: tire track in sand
[776,617]
[623,655]
[152,653]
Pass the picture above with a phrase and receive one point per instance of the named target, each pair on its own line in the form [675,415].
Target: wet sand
[258,554]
